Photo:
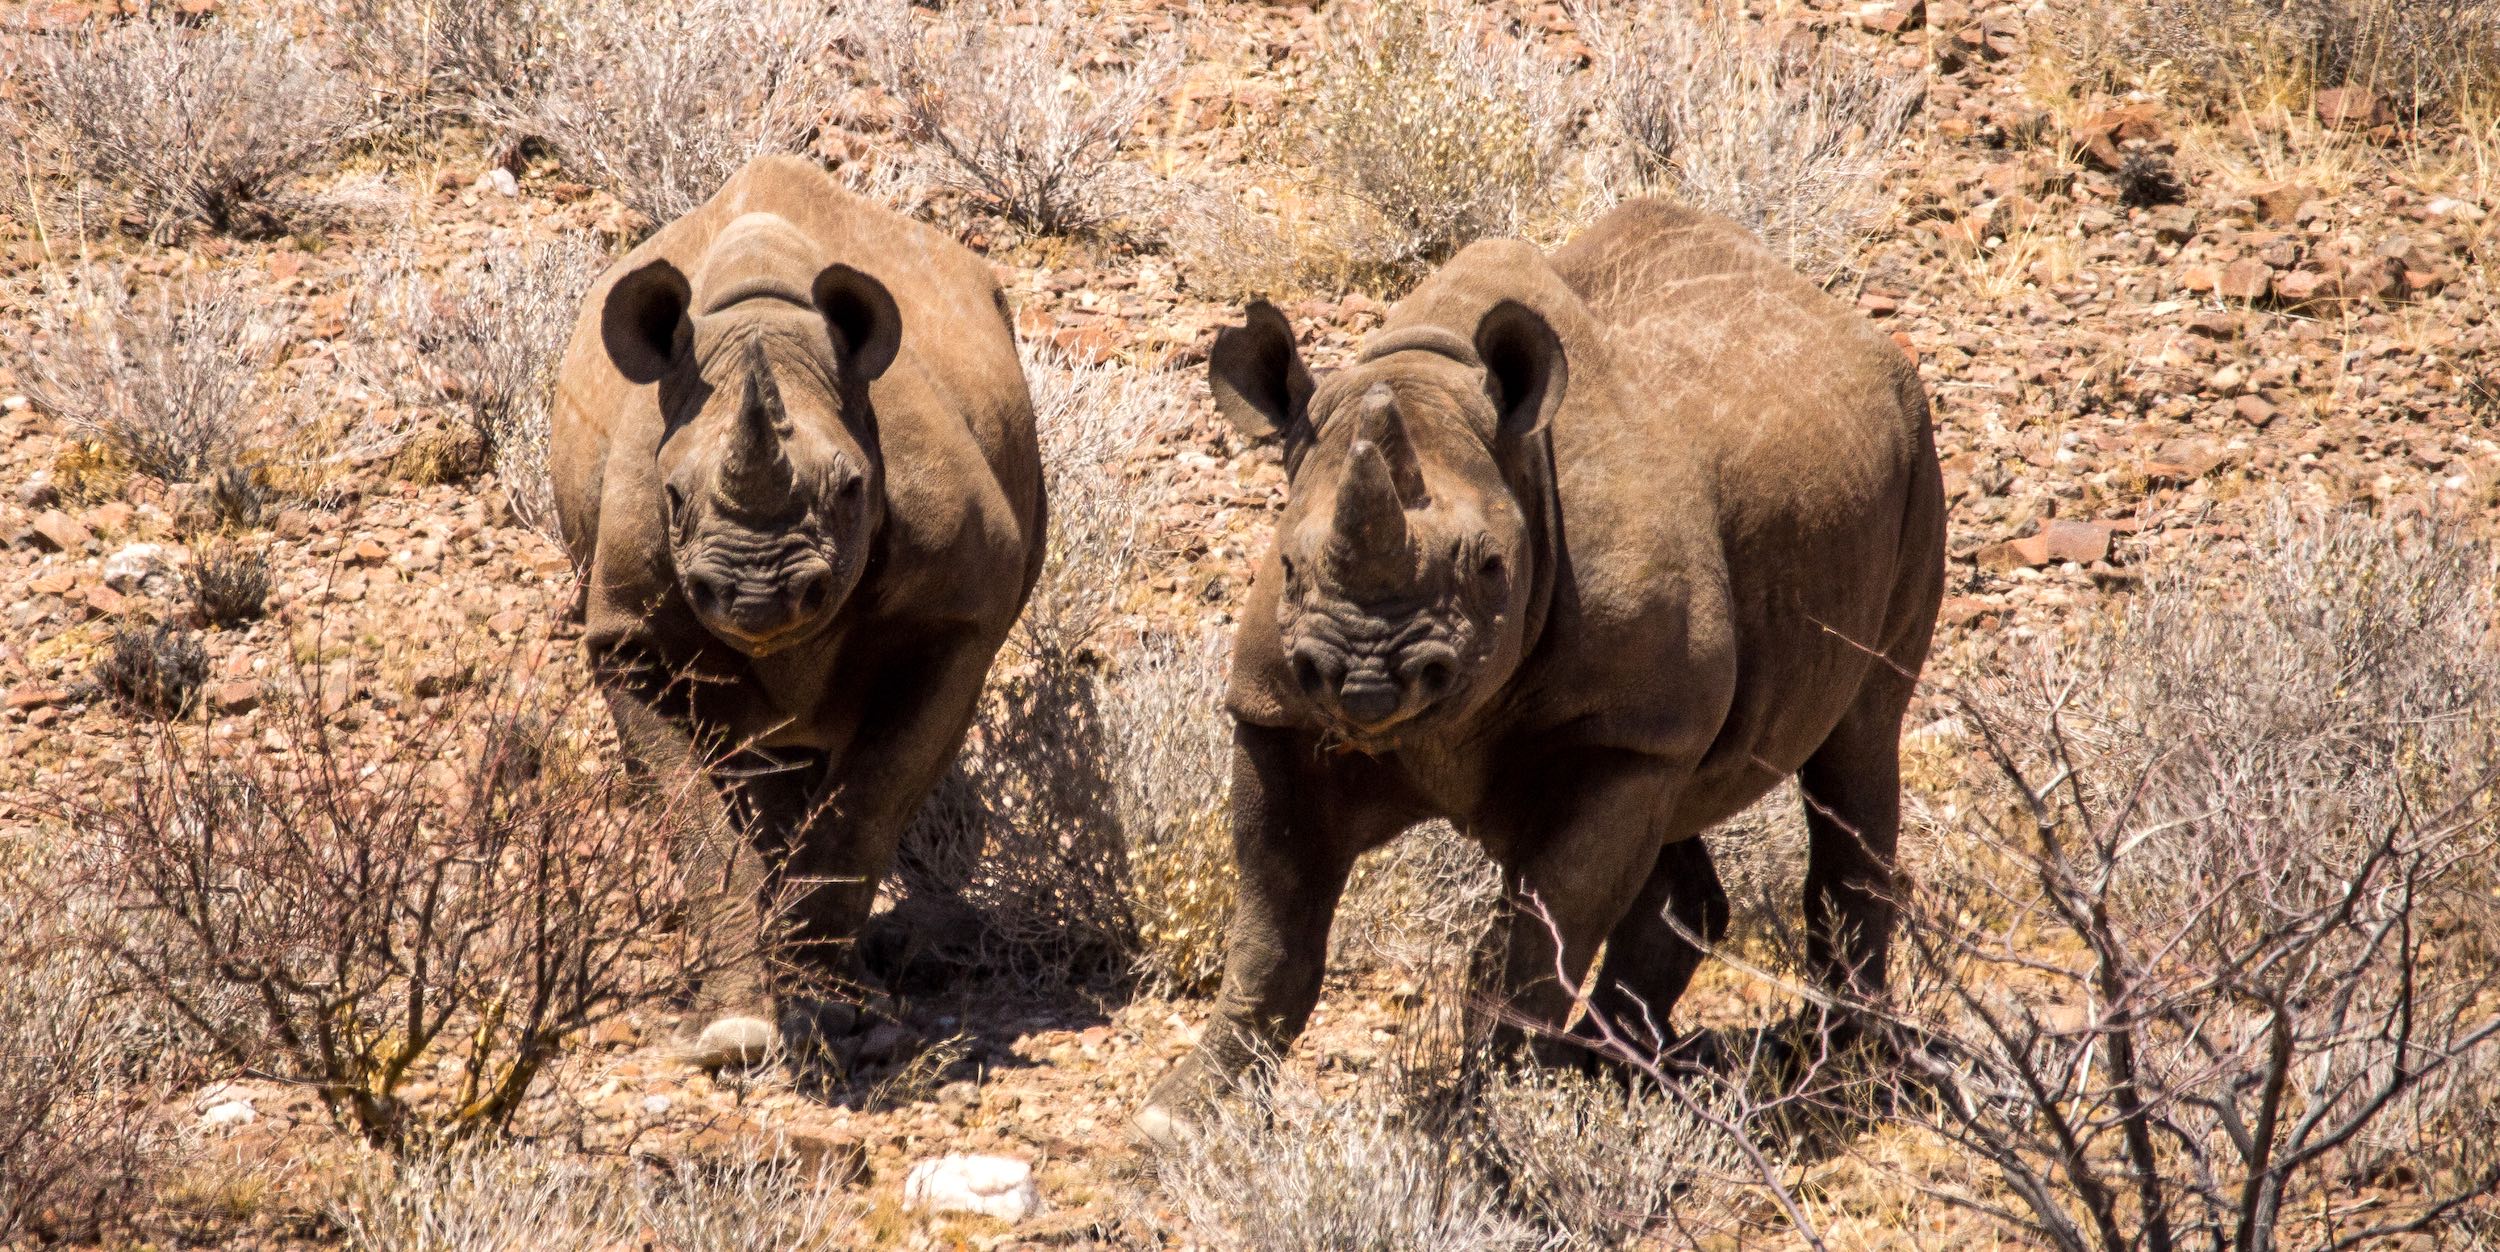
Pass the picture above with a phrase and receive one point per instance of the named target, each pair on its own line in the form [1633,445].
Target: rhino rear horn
[643,324]
[1524,370]
[1260,383]
[866,325]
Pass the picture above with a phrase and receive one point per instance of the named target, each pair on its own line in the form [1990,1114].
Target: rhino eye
[676,499]
[1491,567]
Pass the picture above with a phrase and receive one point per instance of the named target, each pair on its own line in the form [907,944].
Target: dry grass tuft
[1793,147]
[170,124]
[229,584]
[170,385]
[493,1201]
[153,671]
[1016,106]
[432,59]
[661,103]
[2438,57]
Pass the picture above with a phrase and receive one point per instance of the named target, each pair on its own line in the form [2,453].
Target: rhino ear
[643,323]
[1524,370]
[1259,380]
[865,322]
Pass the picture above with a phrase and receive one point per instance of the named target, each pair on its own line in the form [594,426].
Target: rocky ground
[2141,327]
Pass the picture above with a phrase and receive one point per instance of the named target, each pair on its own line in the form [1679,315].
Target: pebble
[1000,1187]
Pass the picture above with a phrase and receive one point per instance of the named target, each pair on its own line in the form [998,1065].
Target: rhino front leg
[825,878]
[724,875]
[1577,849]
[1299,821]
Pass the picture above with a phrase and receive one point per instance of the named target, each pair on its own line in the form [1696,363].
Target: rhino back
[1805,436]
[955,422]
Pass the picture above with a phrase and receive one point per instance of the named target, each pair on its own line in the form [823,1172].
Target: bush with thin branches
[490,1201]
[1032,118]
[469,58]
[661,103]
[80,1068]
[2221,947]
[175,124]
[1792,146]
[171,384]
[408,929]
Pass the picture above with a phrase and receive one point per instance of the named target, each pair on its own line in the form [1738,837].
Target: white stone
[993,1186]
[498,180]
[226,1114]
[655,1105]
[140,567]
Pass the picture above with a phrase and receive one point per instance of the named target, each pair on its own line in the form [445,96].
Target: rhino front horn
[755,472]
[1369,548]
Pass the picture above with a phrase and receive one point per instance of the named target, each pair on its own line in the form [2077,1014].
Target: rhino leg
[825,876]
[1651,954]
[1299,821]
[1586,850]
[723,872]
[1852,787]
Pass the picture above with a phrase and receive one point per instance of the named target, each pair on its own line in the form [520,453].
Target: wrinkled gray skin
[1584,554]
[795,466]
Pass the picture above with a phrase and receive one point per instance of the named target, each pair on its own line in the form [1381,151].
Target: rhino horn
[755,471]
[1370,546]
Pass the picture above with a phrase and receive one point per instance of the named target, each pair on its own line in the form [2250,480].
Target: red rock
[2351,108]
[2031,552]
[2253,410]
[56,583]
[368,552]
[2214,325]
[2099,137]
[2080,542]
[2278,202]
[2299,287]
[508,622]
[106,601]
[112,516]
[1893,18]
[60,532]
[239,696]
[2200,278]
[2245,280]
[1876,304]
[36,697]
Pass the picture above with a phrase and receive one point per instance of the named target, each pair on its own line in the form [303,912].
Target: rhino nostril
[1432,678]
[1308,675]
[810,592]
[709,594]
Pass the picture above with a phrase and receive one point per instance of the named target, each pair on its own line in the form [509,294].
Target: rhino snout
[1369,695]
[757,611]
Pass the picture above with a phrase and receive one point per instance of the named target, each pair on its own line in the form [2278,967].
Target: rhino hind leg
[1852,789]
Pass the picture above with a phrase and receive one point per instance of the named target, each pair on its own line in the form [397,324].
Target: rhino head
[771,485]
[1411,548]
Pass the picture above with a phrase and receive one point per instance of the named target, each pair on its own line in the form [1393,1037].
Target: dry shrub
[2217,948]
[1436,130]
[1024,114]
[1416,906]
[1793,147]
[79,1068]
[2422,56]
[1609,1166]
[153,671]
[169,385]
[1379,1167]
[173,124]
[408,928]
[466,58]
[484,1201]
[661,103]
[229,585]
[1081,821]
[486,345]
